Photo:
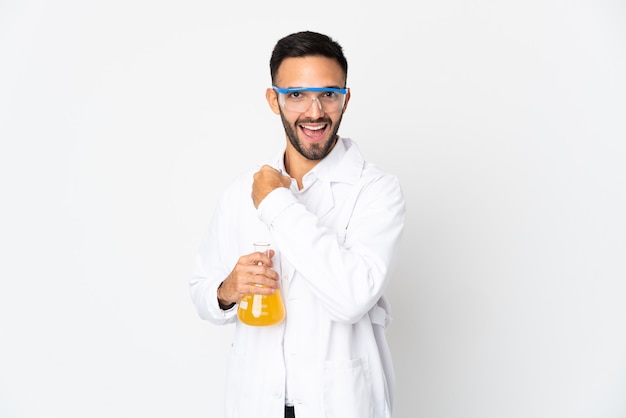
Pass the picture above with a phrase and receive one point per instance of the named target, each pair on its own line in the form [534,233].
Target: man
[334,221]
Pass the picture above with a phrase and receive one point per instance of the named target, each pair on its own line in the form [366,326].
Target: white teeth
[314,128]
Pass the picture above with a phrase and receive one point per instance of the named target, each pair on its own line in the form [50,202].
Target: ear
[272,100]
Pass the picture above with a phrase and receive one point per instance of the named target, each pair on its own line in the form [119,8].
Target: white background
[121,121]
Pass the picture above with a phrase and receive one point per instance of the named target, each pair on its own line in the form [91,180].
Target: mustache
[310,120]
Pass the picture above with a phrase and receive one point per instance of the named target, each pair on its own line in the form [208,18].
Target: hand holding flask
[261,310]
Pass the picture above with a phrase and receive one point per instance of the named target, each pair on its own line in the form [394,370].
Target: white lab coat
[336,241]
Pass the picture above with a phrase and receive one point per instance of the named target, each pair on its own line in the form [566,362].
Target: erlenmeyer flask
[261,310]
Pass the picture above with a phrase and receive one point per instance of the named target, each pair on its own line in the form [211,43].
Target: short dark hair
[303,44]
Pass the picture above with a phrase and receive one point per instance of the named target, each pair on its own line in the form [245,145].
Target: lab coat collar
[344,164]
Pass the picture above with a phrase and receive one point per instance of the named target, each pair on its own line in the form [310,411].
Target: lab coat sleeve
[348,266]
[210,270]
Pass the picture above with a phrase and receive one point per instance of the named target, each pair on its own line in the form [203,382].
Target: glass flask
[262,310]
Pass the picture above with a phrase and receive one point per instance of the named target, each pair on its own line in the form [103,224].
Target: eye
[294,95]
[330,95]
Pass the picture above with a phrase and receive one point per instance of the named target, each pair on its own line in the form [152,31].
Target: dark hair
[303,44]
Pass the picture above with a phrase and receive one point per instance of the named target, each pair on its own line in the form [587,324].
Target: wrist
[223,303]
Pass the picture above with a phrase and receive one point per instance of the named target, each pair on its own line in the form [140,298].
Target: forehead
[310,71]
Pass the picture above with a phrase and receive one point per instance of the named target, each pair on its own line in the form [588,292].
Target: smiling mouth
[313,132]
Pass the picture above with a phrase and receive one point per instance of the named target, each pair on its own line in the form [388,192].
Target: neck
[297,166]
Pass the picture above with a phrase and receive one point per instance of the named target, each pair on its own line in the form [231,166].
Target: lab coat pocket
[347,390]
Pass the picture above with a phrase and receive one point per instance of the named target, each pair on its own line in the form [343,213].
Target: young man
[334,222]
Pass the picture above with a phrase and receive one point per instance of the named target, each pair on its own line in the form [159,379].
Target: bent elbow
[351,312]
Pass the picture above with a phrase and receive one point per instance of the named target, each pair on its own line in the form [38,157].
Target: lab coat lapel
[326,202]
[342,165]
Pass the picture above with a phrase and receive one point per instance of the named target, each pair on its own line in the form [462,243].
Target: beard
[316,151]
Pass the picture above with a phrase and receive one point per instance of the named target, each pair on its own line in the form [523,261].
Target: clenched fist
[265,181]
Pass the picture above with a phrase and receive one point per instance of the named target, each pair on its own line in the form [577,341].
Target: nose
[313,110]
